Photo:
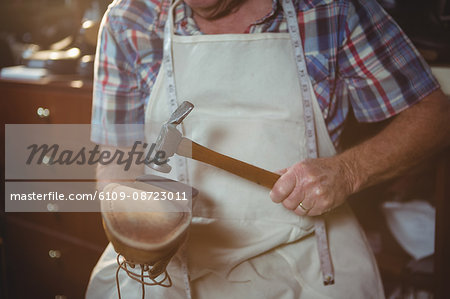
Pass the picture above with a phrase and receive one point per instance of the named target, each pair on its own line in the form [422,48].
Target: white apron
[248,105]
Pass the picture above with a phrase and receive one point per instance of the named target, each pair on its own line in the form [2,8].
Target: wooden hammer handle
[190,149]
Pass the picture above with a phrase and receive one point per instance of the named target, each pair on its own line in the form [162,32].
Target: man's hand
[319,185]
[410,138]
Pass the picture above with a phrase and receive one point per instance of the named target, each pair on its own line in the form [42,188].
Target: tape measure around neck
[310,132]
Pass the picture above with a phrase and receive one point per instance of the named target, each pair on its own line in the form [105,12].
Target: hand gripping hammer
[171,141]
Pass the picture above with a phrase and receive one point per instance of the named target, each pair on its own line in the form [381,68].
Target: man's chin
[214,9]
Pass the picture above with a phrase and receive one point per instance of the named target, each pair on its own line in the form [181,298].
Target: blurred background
[47,49]
[27,27]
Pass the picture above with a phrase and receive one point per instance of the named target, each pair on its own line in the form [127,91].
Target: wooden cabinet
[47,255]
[44,261]
[67,101]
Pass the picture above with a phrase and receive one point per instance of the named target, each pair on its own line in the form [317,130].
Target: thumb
[283,187]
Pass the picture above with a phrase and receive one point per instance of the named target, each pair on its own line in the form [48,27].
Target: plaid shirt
[356,57]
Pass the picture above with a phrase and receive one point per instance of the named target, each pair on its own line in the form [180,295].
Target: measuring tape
[311,143]
[182,174]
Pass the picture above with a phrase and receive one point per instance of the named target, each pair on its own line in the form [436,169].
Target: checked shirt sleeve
[128,59]
[381,71]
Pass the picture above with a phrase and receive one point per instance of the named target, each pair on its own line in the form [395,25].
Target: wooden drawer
[65,104]
[83,228]
[62,108]
[40,265]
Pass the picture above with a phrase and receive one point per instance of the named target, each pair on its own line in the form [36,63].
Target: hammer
[171,141]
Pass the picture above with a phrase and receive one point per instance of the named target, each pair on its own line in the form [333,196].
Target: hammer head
[169,137]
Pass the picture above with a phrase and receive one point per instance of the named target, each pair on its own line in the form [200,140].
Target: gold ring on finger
[303,207]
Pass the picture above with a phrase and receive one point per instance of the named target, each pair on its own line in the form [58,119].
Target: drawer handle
[52,207]
[43,112]
[60,297]
[54,253]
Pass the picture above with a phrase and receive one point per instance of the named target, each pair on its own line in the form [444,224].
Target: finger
[316,195]
[313,211]
[283,187]
[305,207]
[295,198]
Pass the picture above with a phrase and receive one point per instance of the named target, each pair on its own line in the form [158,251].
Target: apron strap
[310,133]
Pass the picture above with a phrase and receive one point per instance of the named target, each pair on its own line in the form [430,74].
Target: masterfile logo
[54,154]
[59,168]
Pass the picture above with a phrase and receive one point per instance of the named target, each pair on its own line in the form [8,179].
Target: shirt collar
[270,14]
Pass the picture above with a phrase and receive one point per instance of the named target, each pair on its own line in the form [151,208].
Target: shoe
[146,232]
